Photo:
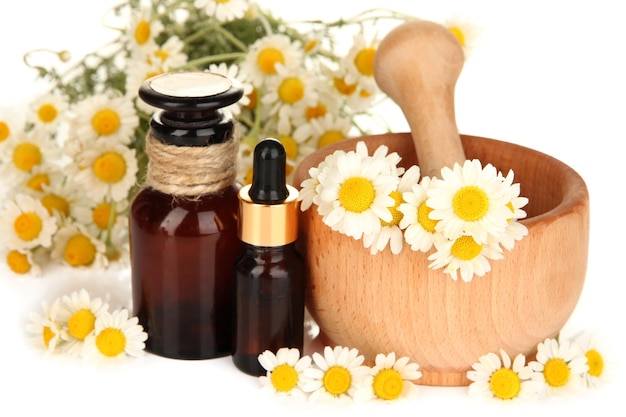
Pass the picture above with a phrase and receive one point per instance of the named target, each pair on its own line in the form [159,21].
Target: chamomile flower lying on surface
[115,336]
[21,262]
[79,311]
[560,365]
[284,372]
[389,378]
[497,377]
[336,375]
[46,328]
[597,360]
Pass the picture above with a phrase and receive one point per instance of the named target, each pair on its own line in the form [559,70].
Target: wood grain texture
[382,303]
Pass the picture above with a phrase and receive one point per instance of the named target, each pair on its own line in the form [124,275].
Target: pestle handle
[417,65]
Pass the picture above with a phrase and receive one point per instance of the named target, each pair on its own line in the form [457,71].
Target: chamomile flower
[309,188]
[223,10]
[143,29]
[115,336]
[21,262]
[264,55]
[76,247]
[25,223]
[359,62]
[337,374]
[390,233]
[79,313]
[103,116]
[357,189]
[596,354]
[10,124]
[464,255]
[101,216]
[514,230]
[45,327]
[284,372]
[47,112]
[419,229]
[470,200]
[42,176]
[560,365]
[329,129]
[233,73]
[24,152]
[497,377]
[169,55]
[465,31]
[106,171]
[291,89]
[389,378]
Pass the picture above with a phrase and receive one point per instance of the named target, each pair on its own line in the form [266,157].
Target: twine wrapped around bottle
[191,171]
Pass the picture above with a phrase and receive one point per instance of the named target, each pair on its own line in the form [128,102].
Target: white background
[547,75]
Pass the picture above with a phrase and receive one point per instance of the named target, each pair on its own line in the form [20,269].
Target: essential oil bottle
[183,222]
[269,272]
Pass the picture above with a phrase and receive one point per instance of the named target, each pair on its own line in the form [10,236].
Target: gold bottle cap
[268,224]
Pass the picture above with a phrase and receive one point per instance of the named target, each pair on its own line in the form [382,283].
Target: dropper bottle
[269,272]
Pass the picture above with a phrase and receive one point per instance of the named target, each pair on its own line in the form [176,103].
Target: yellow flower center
[26,155]
[18,262]
[329,137]
[343,87]
[423,218]
[106,122]
[290,145]
[81,323]
[143,32]
[314,112]
[111,342]
[356,194]
[54,202]
[27,226]
[396,215]
[337,380]
[79,251]
[388,384]
[284,378]
[364,61]
[37,181]
[110,167]
[162,55]
[595,361]
[505,384]
[458,34]
[556,372]
[470,203]
[5,131]
[48,335]
[465,248]
[102,214]
[291,90]
[253,97]
[268,58]
[310,46]
[47,113]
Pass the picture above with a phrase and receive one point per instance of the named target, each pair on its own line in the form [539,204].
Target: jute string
[191,171]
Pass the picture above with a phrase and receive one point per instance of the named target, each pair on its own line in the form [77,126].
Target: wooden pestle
[417,65]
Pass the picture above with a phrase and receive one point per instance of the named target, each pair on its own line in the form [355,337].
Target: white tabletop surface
[547,75]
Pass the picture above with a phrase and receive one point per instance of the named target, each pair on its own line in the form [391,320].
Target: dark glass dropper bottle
[269,273]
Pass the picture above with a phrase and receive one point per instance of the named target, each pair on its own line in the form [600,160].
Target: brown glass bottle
[269,273]
[183,246]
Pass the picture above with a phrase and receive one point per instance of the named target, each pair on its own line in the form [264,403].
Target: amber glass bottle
[183,222]
[269,273]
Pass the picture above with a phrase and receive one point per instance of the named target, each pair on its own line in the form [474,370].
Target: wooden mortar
[384,302]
